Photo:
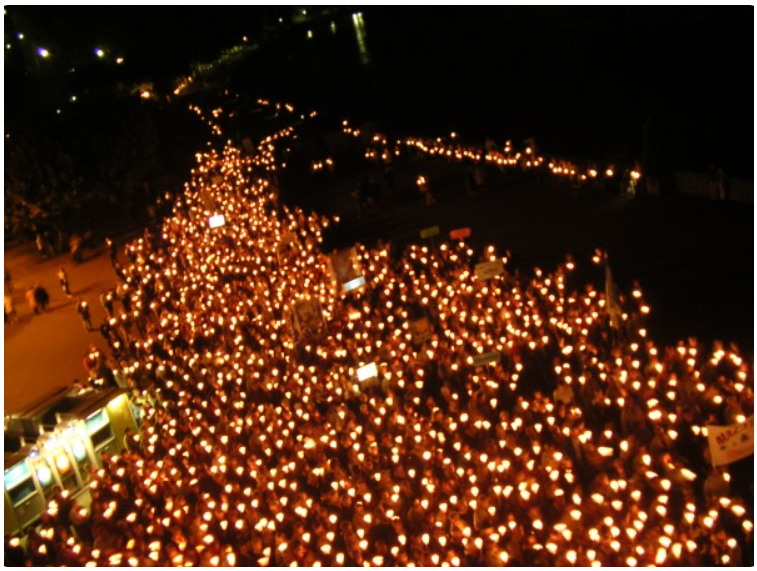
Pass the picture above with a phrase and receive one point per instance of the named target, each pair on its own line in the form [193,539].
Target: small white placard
[366,372]
[216,221]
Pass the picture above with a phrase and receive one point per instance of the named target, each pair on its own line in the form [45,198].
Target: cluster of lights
[479,474]
[317,166]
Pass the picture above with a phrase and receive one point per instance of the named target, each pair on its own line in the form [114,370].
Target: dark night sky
[689,69]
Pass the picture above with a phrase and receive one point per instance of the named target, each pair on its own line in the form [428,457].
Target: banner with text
[731,443]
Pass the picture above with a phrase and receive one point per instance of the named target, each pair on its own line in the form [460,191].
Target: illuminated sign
[366,372]
[44,475]
[17,474]
[354,284]
[217,221]
[96,421]
[62,463]
[79,450]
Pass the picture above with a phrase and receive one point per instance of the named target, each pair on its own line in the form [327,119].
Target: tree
[61,170]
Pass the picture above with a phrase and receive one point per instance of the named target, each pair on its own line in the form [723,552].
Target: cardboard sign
[486,358]
[421,330]
[216,221]
[430,232]
[308,317]
[489,270]
[346,265]
[460,234]
[731,443]
[287,249]
[207,201]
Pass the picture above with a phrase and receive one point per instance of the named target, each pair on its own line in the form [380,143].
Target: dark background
[606,83]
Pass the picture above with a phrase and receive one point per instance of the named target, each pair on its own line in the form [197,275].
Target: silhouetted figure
[82,308]
[75,244]
[112,253]
[63,278]
[42,298]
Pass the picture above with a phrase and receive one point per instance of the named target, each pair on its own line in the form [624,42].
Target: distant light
[58,111]
[99,52]
[43,53]
[20,36]
[304,12]
[145,95]
[310,34]
[73,99]
[281,20]
[119,60]
[7,46]
[244,39]
[333,27]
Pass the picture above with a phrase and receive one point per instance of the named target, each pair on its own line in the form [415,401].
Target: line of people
[582,444]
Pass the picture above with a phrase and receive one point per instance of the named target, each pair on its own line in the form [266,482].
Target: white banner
[731,443]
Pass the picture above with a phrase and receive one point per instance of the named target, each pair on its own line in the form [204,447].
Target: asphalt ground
[44,352]
[693,257]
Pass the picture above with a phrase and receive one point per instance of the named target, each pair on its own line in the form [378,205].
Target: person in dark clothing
[42,298]
[112,254]
[119,271]
[75,244]
[107,299]
[82,308]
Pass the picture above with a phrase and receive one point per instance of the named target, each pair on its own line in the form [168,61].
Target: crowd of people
[580,442]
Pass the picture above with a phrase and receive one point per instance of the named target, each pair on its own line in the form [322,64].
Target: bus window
[98,428]
[19,483]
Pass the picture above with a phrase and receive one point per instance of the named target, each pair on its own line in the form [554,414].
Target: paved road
[693,257]
[44,352]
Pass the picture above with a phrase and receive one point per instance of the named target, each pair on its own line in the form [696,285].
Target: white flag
[731,443]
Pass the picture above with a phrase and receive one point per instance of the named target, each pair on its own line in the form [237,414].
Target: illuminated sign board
[354,284]
[217,221]
[366,372]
